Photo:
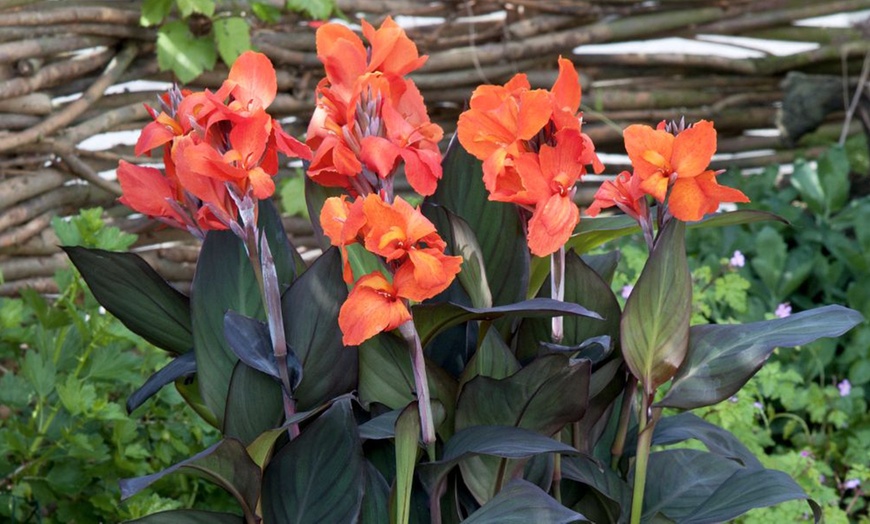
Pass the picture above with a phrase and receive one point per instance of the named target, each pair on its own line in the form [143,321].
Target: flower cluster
[369,119]
[368,115]
[533,151]
[411,248]
[670,163]
[218,148]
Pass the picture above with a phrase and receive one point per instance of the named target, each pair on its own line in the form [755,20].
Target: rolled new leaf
[655,323]
[182,366]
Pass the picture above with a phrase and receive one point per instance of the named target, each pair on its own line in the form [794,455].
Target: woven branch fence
[52,49]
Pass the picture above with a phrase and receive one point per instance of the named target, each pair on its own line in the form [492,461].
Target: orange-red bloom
[662,160]
[533,151]
[409,245]
[214,144]
[623,192]
[373,306]
[368,116]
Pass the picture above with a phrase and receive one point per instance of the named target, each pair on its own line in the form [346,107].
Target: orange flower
[504,122]
[371,307]
[680,162]
[368,116]
[623,192]
[342,223]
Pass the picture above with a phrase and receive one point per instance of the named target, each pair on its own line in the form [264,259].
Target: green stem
[618,446]
[644,441]
[557,476]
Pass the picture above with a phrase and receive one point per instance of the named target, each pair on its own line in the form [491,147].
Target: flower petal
[254,80]
[693,149]
[648,149]
[692,198]
[371,307]
[426,273]
[552,224]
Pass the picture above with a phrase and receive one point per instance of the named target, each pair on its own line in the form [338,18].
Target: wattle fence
[58,58]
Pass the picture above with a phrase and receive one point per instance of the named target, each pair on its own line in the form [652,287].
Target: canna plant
[460,361]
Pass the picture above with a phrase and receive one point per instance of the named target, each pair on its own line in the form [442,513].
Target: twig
[20,188]
[24,233]
[75,196]
[54,74]
[84,171]
[71,15]
[41,47]
[856,99]
[69,113]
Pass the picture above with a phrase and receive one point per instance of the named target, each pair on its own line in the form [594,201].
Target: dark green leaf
[544,396]
[320,476]
[254,404]
[586,470]
[501,441]
[722,358]
[492,359]
[833,168]
[250,341]
[522,502]
[315,196]
[189,516]
[310,308]
[288,261]
[376,501]
[232,36]
[183,53]
[182,366]
[462,242]
[497,226]
[736,218]
[128,288]
[226,463]
[655,323]
[749,489]
[432,319]
[381,427]
[224,280]
[682,480]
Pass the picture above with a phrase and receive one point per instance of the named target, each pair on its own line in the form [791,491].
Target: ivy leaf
[265,12]
[154,11]
[293,196]
[188,7]
[233,37]
[186,55]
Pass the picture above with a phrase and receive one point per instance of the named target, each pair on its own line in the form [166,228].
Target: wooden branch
[20,188]
[41,47]
[69,113]
[32,104]
[15,122]
[76,166]
[75,196]
[71,15]
[54,74]
[43,285]
[774,17]
[105,121]
[32,228]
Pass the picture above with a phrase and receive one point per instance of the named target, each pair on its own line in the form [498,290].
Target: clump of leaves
[65,437]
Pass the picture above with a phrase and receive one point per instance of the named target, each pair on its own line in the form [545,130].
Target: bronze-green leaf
[655,323]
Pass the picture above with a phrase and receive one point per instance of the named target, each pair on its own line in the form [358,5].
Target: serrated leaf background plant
[461,360]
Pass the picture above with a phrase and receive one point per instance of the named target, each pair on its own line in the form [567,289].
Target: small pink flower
[626,291]
[851,484]
[783,310]
[845,388]
[737,260]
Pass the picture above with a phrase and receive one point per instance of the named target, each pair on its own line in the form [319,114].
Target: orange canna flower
[368,116]
[662,160]
[343,224]
[623,192]
[372,306]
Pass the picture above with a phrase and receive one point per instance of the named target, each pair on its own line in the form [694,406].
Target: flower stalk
[421,385]
[646,426]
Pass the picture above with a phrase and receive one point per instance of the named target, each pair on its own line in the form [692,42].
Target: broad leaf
[588,471]
[492,359]
[310,308]
[407,437]
[381,427]
[250,341]
[522,502]
[232,36]
[315,196]
[584,286]
[128,288]
[224,280]
[655,323]
[288,261]
[254,404]
[497,226]
[182,366]
[549,393]
[226,463]
[749,489]
[189,516]
[319,476]
[376,501]
[463,242]
[432,319]
[698,487]
[182,52]
[722,358]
